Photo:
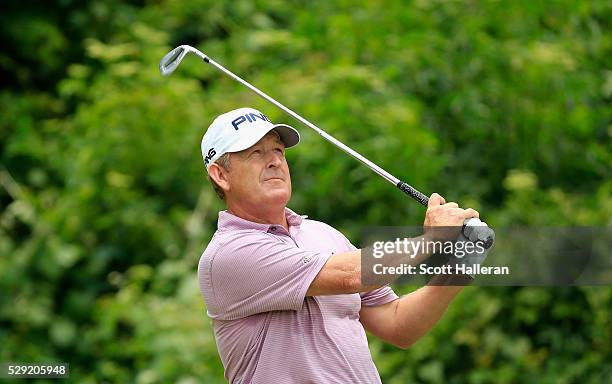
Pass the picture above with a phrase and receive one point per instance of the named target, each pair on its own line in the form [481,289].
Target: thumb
[435,199]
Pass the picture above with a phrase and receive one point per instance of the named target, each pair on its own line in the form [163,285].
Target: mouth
[274,178]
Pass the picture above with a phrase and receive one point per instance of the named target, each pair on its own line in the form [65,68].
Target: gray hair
[223,162]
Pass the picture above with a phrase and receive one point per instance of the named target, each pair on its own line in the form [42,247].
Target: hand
[448,217]
[469,256]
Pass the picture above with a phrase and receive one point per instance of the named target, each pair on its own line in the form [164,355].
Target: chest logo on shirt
[307,259]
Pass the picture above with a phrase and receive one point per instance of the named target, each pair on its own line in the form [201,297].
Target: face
[259,176]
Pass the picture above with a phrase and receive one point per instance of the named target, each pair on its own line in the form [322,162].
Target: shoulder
[315,224]
[233,243]
[322,228]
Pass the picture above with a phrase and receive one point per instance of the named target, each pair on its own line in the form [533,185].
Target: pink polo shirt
[254,279]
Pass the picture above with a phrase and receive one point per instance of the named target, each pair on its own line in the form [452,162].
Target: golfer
[284,292]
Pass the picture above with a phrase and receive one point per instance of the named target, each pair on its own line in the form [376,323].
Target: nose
[274,160]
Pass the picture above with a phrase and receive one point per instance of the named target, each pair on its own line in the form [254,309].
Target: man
[285,292]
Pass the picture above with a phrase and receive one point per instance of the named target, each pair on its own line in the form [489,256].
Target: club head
[171,61]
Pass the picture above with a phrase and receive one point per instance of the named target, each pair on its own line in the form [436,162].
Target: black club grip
[418,196]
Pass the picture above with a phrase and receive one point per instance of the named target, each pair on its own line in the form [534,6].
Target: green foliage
[106,208]
[503,335]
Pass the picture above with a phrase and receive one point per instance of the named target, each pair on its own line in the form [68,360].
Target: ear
[220,176]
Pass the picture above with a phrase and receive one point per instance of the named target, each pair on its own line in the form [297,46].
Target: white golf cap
[240,129]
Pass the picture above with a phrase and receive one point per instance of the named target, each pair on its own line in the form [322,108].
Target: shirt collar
[228,221]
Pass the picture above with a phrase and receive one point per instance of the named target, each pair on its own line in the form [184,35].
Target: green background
[105,206]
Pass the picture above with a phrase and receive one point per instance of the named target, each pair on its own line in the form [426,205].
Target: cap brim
[289,135]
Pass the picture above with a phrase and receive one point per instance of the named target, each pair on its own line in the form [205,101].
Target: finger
[471,213]
[435,199]
[452,205]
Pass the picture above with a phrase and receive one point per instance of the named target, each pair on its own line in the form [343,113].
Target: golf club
[173,59]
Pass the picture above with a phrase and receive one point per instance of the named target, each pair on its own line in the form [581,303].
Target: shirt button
[273,229]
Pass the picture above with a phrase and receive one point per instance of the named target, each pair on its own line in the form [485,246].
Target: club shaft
[412,192]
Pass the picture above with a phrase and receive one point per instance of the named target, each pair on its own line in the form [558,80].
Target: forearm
[345,272]
[381,266]
[418,312]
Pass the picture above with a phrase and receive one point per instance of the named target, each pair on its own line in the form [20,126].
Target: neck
[269,216]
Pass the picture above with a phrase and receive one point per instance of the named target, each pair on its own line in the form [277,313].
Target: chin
[279,197]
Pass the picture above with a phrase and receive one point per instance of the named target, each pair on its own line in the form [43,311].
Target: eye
[280,150]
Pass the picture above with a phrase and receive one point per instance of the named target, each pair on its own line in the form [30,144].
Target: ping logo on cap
[210,155]
[249,117]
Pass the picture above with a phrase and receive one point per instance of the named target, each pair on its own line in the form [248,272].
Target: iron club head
[171,61]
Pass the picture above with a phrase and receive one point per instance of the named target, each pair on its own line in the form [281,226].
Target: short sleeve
[257,273]
[379,296]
